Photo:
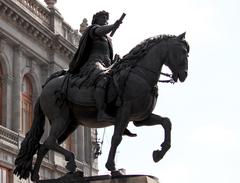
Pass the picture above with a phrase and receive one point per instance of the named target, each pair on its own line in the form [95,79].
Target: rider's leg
[100,93]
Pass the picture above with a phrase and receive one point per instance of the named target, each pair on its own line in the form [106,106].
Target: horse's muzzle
[182,75]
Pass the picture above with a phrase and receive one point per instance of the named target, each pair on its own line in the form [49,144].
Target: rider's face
[102,20]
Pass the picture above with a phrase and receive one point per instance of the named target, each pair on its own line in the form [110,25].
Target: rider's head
[100,18]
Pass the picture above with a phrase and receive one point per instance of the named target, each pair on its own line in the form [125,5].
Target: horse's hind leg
[58,128]
[154,119]
[42,151]
[72,126]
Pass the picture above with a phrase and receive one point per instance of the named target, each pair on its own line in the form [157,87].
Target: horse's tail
[30,145]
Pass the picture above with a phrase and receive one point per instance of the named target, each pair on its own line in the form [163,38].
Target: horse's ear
[182,36]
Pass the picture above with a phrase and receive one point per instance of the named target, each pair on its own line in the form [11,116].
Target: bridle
[170,76]
[162,73]
[167,80]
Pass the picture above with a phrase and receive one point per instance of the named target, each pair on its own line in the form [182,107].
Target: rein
[167,80]
[164,74]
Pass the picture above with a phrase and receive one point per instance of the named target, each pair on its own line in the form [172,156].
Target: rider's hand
[117,24]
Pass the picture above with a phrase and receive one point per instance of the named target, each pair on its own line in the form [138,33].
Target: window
[1,95]
[26,105]
[4,175]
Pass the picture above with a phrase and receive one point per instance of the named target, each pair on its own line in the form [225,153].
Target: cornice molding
[35,30]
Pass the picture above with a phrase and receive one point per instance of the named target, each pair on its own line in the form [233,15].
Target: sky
[204,110]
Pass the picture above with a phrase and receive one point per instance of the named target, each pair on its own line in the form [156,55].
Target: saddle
[85,96]
[81,94]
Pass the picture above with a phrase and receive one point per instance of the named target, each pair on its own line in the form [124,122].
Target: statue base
[123,179]
[77,177]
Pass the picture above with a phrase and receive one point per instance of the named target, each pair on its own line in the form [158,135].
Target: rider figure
[94,56]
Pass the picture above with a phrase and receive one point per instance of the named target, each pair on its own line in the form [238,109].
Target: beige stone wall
[35,40]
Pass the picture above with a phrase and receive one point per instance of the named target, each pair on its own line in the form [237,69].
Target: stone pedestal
[126,179]
[78,178]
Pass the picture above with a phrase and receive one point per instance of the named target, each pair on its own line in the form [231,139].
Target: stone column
[8,101]
[16,91]
[87,136]
[6,88]
[88,151]
[55,17]
[80,144]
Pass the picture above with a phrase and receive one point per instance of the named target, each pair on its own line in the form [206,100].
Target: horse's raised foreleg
[154,119]
[119,127]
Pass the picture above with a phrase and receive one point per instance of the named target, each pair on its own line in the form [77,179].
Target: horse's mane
[140,50]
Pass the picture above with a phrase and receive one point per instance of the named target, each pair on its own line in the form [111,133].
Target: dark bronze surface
[119,92]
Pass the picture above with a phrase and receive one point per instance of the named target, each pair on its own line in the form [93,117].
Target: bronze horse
[138,101]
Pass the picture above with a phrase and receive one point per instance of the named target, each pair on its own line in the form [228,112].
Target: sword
[120,20]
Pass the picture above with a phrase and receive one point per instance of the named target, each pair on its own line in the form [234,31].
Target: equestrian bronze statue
[98,91]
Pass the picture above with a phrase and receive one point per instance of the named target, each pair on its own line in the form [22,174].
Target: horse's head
[177,57]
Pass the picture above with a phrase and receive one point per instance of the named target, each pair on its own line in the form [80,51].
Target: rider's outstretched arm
[105,29]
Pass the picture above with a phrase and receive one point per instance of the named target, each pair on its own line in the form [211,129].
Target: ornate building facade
[35,41]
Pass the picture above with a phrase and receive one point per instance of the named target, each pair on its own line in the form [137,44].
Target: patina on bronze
[68,99]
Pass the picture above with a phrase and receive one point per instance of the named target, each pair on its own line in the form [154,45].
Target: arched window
[26,104]
[1,95]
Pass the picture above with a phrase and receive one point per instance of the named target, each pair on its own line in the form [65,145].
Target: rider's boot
[100,93]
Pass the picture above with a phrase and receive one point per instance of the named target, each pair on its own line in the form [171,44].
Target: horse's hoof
[157,155]
[71,166]
[117,173]
[110,166]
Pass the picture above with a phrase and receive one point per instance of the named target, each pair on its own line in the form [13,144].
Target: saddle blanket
[81,96]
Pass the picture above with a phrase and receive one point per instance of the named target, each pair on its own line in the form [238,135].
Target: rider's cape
[82,53]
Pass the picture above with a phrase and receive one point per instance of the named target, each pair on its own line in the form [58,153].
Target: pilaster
[80,144]
[7,82]
[16,92]
[56,21]
[88,148]
[52,65]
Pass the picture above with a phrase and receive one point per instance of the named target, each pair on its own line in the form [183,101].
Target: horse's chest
[141,109]
[136,88]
